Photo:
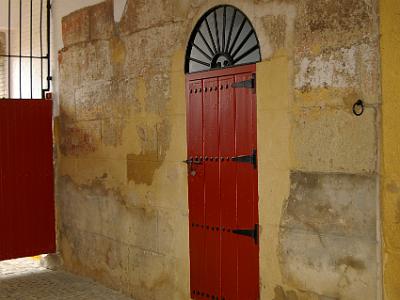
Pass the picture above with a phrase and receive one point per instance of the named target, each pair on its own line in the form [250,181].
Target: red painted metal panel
[223,194]
[27,220]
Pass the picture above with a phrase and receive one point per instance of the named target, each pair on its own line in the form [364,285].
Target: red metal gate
[223,191]
[27,221]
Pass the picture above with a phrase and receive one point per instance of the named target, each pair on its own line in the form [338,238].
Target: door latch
[193,161]
[251,159]
[253,233]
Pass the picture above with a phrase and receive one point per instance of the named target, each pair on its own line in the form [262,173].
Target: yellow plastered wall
[390,47]
[273,129]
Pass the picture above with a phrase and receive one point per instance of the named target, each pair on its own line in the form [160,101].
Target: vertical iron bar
[9,48]
[206,43]
[216,30]
[20,49]
[31,52]
[246,38]
[237,34]
[230,31]
[211,35]
[41,45]
[223,30]
[48,50]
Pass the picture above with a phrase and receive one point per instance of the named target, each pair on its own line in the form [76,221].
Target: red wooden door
[27,222]
[223,192]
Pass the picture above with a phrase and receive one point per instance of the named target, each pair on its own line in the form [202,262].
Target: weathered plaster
[390,183]
[122,189]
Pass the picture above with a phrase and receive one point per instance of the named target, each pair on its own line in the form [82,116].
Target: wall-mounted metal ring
[358,108]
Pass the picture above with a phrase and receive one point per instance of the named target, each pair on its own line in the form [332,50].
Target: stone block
[171,187]
[173,232]
[110,170]
[76,28]
[333,24]
[99,66]
[95,256]
[72,65]
[111,217]
[122,102]
[150,273]
[101,20]
[338,77]
[172,138]
[177,103]
[67,105]
[79,65]
[334,267]
[80,138]
[333,140]
[112,131]
[145,45]
[337,69]
[275,28]
[332,204]
[91,100]
[140,15]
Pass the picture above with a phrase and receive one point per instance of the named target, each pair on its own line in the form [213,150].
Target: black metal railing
[17,89]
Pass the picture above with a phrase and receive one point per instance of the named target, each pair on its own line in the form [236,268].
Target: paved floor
[24,279]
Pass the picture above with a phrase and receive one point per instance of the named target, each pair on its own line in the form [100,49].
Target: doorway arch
[223,37]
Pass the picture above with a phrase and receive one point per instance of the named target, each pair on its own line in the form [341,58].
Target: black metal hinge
[253,233]
[251,159]
[246,84]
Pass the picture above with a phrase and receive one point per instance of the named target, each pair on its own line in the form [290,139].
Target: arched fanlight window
[223,37]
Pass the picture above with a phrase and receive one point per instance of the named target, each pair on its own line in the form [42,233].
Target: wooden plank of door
[196,188]
[227,108]
[248,263]
[211,188]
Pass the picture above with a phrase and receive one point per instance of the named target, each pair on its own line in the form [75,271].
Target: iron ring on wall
[358,108]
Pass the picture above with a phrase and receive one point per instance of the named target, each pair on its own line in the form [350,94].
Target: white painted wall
[3,14]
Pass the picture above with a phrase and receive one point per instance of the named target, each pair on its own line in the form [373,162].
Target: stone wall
[121,137]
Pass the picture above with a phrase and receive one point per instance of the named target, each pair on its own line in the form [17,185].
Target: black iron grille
[223,37]
[27,53]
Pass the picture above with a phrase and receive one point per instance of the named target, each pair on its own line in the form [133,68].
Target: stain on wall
[122,187]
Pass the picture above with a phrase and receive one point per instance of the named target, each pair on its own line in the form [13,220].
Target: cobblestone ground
[24,279]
